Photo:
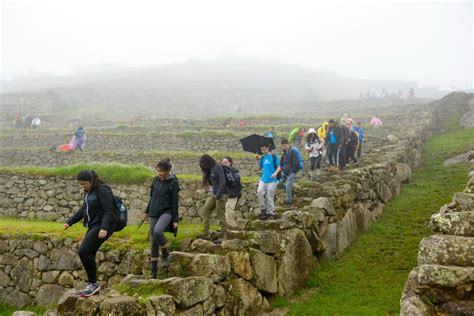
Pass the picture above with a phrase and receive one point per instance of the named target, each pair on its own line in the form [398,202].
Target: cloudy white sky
[429,42]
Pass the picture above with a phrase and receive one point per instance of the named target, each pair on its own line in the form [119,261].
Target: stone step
[446,276]
[447,250]
[458,308]
[456,223]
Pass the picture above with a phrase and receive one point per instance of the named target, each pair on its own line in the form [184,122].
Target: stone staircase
[443,282]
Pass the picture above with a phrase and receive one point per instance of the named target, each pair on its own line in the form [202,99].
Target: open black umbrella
[253,143]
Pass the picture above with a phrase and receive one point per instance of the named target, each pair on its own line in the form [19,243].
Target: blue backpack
[300,158]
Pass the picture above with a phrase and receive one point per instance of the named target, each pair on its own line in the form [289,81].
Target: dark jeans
[332,154]
[341,155]
[88,249]
[315,161]
[350,154]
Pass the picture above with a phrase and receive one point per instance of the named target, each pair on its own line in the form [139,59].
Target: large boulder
[244,299]
[18,299]
[160,304]
[448,276]
[189,291]
[240,261]
[214,267]
[447,250]
[403,172]
[121,306]
[296,263]
[457,223]
[49,294]
[22,275]
[264,268]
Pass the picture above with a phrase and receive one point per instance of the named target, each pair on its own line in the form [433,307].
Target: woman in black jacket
[98,213]
[162,210]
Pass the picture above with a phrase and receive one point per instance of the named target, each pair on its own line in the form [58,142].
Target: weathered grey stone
[219,297]
[456,223]
[8,259]
[403,172]
[24,313]
[455,160]
[465,201]
[49,294]
[214,267]
[162,304]
[449,276]
[50,276]
[121,306]
[196,310]
[458,307]
[67,302]
[18,299]
[414,306]
[244,299]
[264,268]
[322,203]
[66,279]
[30,253]
[447,250]
[65,259]
[5,280]
[241,264]
[190,291]
[22,275]
[296,264]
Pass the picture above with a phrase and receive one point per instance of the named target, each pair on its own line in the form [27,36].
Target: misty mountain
[203,87]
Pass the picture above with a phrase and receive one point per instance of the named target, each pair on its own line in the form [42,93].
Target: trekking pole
[141,223]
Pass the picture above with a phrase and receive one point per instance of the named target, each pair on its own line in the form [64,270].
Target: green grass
[128,238]
[110,172]
[6,310]
[369,278]
[144,290]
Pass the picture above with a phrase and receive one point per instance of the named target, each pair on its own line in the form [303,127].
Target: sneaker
[262,215]
[270,217]
[90,290]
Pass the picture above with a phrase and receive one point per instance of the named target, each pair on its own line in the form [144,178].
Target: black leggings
[315,161]
[88,249]
[332,154]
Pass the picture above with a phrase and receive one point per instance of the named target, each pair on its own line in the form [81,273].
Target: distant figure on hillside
[411,94]
[78,140]
[18,120]
[242,123]
[358,129]
[270,133]
[375,121]
[36,122]
[227,122]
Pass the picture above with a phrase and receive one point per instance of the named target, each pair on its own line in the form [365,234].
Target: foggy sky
[431,43]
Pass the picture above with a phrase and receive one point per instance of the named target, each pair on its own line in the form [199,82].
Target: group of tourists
[334,142]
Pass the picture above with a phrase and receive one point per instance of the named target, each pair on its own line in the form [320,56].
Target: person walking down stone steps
[270,166]
[290,166]
[235,191]
[97,212]
[213,175]
[162,211]
[314,147]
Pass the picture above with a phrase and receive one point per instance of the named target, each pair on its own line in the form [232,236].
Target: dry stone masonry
[254,262]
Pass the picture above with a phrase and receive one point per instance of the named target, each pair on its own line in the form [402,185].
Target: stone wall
[261,258]
[443,281]
[56,198]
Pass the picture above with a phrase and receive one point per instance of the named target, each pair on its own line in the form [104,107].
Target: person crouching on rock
[162,210]
[98,213]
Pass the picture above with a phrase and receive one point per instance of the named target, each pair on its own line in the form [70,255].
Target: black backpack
[232,177]
[121,213]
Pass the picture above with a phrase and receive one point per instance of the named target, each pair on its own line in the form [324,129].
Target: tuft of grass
[369,278]
[129,237]
[7,310]
[144,290]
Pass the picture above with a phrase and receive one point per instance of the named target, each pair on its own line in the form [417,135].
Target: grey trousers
[157,231]
[266,196]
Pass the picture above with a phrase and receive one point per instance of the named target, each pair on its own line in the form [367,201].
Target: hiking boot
[165,255]
[270,217]
[263,215]
[153,269]
[90,290]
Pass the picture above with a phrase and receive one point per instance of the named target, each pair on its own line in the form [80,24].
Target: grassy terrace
[111,172]
[368,279]
[129,237]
